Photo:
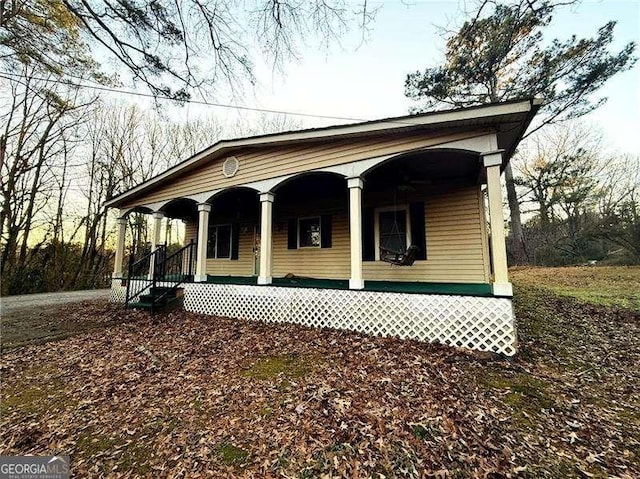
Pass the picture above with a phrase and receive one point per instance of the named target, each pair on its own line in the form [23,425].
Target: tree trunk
[516,237]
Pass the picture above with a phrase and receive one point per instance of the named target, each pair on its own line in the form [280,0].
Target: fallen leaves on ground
[185,395]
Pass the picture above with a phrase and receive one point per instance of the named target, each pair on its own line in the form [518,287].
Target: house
[391,227]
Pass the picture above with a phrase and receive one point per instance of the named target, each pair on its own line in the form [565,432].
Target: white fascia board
[427,119]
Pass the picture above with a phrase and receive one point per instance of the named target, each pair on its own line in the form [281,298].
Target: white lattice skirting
[485,324]
[118,291]
[481,323]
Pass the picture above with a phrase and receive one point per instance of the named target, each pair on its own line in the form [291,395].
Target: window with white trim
[309,232]
[220,240]
[392,229]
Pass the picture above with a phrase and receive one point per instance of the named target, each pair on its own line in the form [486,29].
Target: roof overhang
[515,113]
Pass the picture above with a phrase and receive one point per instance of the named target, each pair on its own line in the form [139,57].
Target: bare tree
[558,177]
[39,118]
[161,43]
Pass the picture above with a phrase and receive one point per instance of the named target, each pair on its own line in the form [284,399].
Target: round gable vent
[230,167]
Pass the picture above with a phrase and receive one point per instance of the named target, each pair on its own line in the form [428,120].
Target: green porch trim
[232,279]
[459,289]
[311,283]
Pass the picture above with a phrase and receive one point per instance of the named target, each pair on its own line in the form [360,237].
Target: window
[378,223]
[309,232]
[393,230]
[219,245]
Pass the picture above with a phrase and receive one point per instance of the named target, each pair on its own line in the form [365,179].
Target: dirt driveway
[36,318]
[10,304]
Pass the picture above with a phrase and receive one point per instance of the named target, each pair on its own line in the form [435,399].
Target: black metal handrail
[175,269]
[138,280]
[170,271]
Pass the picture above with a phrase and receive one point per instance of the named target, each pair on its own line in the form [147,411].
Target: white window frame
[319,218]
[376,229]
[215,248]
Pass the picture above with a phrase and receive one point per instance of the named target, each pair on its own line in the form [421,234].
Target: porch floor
[466,289]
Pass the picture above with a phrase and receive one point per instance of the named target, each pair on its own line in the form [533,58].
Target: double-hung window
[309,232]
[393,229]
[220,240]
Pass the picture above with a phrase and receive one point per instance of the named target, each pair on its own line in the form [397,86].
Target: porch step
[149,298]
[154,301]
[141,305]
[159,290]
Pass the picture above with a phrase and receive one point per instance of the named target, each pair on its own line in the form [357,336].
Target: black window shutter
[418,234]
[325,231]
[292,234]
[210,243]
[235,240]
[368,235]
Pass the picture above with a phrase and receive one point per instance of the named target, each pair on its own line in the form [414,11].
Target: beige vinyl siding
[190,231]
[326,263]
[243,266]
[263,163]
[454,242]
[457,244]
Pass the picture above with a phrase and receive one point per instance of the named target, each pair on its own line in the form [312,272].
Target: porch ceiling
[181,208]
[424,168]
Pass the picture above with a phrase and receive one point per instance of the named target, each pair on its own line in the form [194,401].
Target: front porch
[308,251]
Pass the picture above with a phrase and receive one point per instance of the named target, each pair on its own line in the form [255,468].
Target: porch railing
[170,271]
[138,275]
[173,270]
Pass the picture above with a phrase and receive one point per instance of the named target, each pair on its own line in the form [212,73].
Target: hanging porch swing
[403,257]
[399,258]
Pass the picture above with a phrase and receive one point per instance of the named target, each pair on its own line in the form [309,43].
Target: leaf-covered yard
[183,395]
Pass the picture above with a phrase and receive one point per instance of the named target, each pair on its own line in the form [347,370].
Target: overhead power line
[198,102]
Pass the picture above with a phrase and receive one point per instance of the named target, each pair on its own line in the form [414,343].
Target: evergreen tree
[500,54]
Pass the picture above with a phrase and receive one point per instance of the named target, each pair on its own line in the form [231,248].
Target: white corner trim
[492,158]
[504,290]
[356,182]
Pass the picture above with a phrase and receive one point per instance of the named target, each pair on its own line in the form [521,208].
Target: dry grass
[617,286]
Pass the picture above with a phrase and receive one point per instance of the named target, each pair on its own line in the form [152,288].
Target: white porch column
[266,235]
[157,229]
[201,249]
[501,285]
[117,264]
[155,239]
[355,230]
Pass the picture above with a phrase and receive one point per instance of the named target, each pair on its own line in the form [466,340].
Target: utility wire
[199,102]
